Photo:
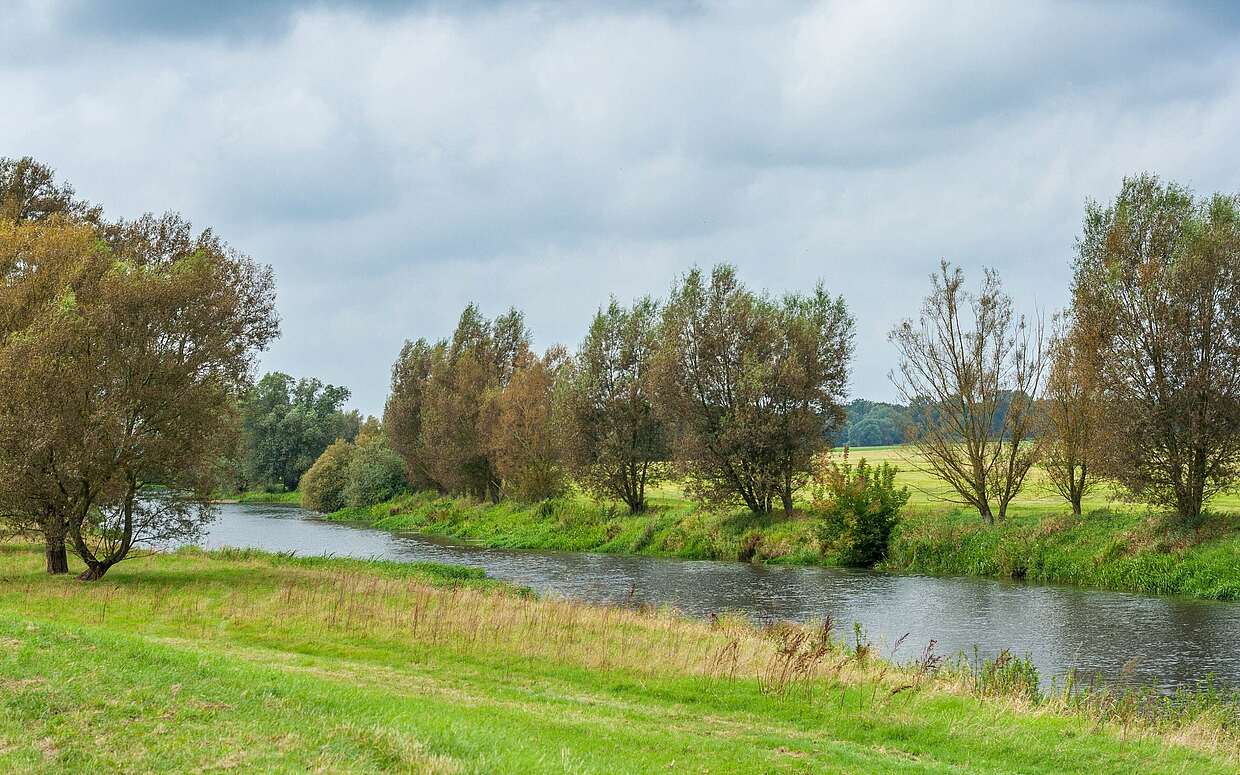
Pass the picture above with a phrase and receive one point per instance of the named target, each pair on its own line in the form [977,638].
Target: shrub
[375,473]
[861,505]
[323,485]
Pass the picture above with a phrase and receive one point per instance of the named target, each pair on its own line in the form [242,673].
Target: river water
[1120,638]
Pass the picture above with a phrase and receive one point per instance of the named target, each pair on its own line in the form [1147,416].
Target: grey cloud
[394,163]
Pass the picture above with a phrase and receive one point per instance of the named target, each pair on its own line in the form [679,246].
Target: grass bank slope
[1113,548]
[240,661]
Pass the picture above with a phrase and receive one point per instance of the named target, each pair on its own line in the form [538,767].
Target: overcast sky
[394,161]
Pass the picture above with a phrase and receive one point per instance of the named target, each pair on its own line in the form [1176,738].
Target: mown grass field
[244,662]
[1116,545]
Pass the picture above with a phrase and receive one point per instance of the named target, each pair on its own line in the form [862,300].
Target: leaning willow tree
[971,370]
[126,347]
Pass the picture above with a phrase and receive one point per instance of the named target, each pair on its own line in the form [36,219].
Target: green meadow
[243,661]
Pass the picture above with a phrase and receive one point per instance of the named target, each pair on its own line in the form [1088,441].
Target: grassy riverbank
[1114,548]
[244,661]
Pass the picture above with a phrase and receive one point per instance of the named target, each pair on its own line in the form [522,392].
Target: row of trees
[730,390]
[124,349]
[1138,383]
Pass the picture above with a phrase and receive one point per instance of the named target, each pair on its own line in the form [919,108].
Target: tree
[287,423]
[473,369]
[148,337]
[522,433]
[323,485]
[750,386]
[402,414]
[971,390]
[612,440]
[29,192]
[1156,294]
[1071,407]
[375,472]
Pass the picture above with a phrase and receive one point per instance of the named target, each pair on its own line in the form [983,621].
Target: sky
[394,161]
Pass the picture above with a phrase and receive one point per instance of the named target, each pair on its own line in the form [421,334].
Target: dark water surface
[1120,637]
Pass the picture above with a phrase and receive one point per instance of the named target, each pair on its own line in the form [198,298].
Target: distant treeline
[881,424]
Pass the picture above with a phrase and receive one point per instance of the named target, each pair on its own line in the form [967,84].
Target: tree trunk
[984,510]
[57,557]
[94,571]
[786,497]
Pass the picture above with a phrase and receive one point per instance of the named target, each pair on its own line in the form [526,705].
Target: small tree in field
[1156,295]
[972,384]
[750,386]
[612,439]
[1071,409]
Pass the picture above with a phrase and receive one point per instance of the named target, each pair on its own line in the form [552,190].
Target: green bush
[323,486]
[861,506]
[375,473]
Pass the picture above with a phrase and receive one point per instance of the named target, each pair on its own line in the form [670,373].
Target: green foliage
[286,424]
[323,486]
[1008,676]
[1113,550]
[861,506]
[375,473]
[612,439]
[873,424]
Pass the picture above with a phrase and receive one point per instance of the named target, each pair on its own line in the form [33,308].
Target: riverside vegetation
[1114,545]
[253,661]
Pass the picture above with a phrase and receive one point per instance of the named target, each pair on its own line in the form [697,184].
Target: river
[1121,638]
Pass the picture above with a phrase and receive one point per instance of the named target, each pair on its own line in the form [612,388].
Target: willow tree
[1156,291]
[1073,432]
[611,437]
[466,375]
[131,353]
[402,413]
[971,370]
[750,386]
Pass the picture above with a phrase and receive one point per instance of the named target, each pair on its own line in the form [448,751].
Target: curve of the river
[1118,637]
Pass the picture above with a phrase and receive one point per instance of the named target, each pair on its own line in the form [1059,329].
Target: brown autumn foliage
[522,431]
[972,386]
[1073,437]
[1156,296]
[443,396]
[128,347]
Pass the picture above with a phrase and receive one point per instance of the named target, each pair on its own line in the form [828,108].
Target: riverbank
[1119,549]
[240,660]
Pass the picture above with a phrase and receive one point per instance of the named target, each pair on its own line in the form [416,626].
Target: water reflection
[1126,638]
